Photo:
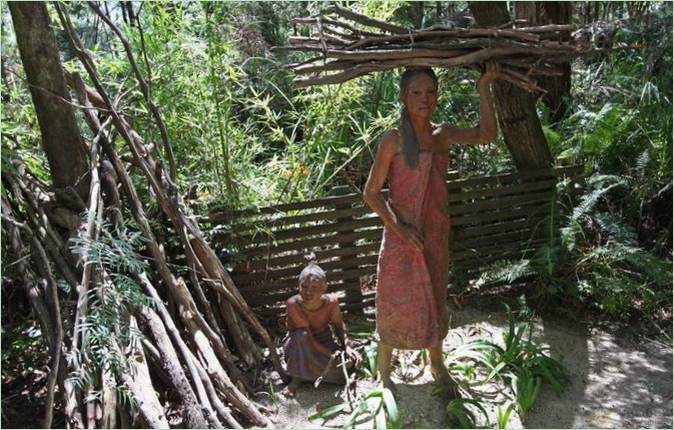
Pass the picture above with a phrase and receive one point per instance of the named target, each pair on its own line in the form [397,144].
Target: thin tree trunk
[516,108]
[50,319]
[558,87]
[61,137]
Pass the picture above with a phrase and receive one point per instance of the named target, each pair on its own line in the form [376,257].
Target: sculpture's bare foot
[446,386]
[291,389]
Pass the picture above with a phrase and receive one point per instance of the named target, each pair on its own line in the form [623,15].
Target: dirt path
[614,382]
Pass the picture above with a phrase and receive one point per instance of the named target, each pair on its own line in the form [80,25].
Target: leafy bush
[594,257]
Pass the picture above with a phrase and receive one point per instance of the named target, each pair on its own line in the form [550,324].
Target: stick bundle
[195,335]
[352,45]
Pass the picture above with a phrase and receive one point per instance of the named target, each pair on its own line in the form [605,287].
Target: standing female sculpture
[413,267]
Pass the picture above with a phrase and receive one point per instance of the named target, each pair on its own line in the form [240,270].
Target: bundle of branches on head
[351,45]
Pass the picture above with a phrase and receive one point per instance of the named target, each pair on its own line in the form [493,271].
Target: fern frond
[504,271]
[642,162]
[613,225]
[601,185]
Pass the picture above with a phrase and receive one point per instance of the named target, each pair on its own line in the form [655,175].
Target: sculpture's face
[421,96]
[311,289]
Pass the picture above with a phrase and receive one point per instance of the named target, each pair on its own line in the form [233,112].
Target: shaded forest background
[242,136]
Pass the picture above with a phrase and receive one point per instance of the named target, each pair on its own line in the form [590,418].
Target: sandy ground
[614,382]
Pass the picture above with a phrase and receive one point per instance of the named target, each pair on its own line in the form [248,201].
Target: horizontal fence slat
[314,230]
[293,206]
[265,289]
[506,178]
[457,198]
[495,239]
[500,203]
[337,275]
[500,215]
[321,256]
[460,257]
[278,274]
[309,244]
[486,229]
[265,298]
[361,209]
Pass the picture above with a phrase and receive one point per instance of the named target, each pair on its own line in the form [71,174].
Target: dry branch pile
[352,45]
[197,333]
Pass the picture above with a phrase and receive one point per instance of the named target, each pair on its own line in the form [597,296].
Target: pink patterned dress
[412,284]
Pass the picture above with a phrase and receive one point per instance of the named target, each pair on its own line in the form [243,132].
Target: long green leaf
[360,409]
[495,370]
[380,418]
[504,416]
[391,409]
[329,412]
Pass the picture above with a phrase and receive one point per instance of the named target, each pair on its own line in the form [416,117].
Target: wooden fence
[491,217]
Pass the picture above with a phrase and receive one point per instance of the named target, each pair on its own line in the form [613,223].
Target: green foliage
[593,257]
[377,408]
[365,332]
[503,416]
[369,367]
[518,363]
[599,186]
[462,416]
[106,328]
[620,113]
[526,388]
[329,412]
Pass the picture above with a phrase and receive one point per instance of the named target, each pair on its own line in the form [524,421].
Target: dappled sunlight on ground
[614,383]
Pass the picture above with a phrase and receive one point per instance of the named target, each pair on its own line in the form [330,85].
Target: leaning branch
[145,89]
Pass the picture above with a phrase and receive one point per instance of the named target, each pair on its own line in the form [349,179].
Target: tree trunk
[417,14]
[61,137]
[558,87]
[515,107]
